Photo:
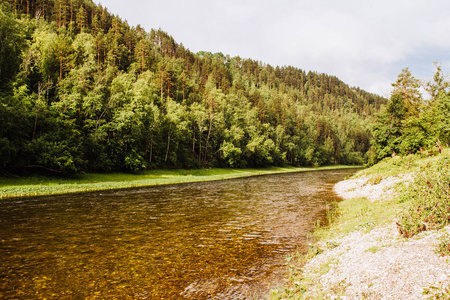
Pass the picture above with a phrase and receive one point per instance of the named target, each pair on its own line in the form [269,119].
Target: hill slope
[81,90]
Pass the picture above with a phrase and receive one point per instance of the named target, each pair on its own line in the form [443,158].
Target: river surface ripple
[214,240]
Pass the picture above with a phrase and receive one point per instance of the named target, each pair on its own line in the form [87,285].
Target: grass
[359,213]
[351,215]
[443,248]
[428,198]
[373,249]
[439,292]
[14,187]
[423,204]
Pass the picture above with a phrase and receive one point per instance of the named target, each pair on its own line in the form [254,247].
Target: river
[213,240]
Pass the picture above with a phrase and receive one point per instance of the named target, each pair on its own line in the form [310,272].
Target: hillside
[81,90]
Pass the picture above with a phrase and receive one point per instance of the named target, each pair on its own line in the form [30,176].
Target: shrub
[429,199]
[443,248]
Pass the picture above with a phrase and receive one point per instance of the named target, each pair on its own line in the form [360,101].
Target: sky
[365,43]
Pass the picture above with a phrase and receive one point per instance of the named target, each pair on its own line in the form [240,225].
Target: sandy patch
[359,187]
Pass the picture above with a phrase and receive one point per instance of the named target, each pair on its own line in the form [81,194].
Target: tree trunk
[35,124]
[200,148]
[161,87]
[193,140]
[168,146]
[151,151]
[60,68]
[60,14]
[37,110]
[71,11]
[211,117]
[98,55]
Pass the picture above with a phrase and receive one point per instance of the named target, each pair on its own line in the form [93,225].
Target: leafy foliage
[443,248]
[407,123]
[94,94]
[428,199]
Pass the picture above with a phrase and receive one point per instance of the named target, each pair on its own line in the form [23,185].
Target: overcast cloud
[364,43]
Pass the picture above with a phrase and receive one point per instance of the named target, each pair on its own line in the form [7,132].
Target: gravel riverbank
[376,264]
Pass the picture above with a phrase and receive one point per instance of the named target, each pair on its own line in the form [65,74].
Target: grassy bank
[419,204]
[13,187]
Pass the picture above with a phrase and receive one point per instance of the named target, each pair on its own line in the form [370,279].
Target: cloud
[364,43]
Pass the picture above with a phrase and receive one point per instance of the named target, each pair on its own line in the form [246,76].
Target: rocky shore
[378,263]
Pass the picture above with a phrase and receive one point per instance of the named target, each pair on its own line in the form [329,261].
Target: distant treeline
[81,90]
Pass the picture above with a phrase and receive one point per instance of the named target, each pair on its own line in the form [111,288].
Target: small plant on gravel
[332,214]
[313,251]
[437,292]
[375,179]
[443,248]
[332,244]
[373,249]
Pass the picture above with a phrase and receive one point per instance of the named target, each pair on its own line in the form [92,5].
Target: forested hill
[81,90]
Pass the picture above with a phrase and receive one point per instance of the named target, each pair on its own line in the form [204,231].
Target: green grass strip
[42,185]
[424,200]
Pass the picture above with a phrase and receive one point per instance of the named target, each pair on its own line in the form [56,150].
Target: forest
[82,91]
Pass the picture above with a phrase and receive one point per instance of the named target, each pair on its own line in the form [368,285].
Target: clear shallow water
[214,240]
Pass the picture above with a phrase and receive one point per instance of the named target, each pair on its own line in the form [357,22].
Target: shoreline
[363,256]
[43,186]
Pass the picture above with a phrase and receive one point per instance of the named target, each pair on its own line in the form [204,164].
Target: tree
[175,125]
[142,53]
[408,86]
[81,18]
[61,12]
[95,94]
[439,84]
[443,111]
[12,43]
[387,131]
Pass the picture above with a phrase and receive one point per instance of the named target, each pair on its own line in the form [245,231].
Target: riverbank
[388,240]
[14,187]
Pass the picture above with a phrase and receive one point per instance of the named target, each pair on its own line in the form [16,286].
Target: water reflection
[217,240]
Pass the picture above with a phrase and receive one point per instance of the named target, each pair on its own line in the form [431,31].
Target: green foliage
[94,94]
[387,131]
[407,87]
[408,124]
[437,292]
[418,205]
[439,117]
[134,162]
[12,42]
[428,199]
[443,248]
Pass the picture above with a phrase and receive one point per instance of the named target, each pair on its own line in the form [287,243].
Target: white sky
[365,43]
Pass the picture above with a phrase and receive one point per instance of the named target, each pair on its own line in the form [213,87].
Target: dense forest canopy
[81,90]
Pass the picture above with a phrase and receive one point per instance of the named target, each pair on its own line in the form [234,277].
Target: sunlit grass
[431,178]
[13,187]
[359,213]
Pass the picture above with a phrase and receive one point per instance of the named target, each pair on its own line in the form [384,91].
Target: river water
[214,240]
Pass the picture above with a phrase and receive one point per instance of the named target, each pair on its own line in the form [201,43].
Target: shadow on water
[213,240]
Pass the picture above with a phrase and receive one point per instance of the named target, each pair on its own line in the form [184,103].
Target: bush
[443,248]
[429,199]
